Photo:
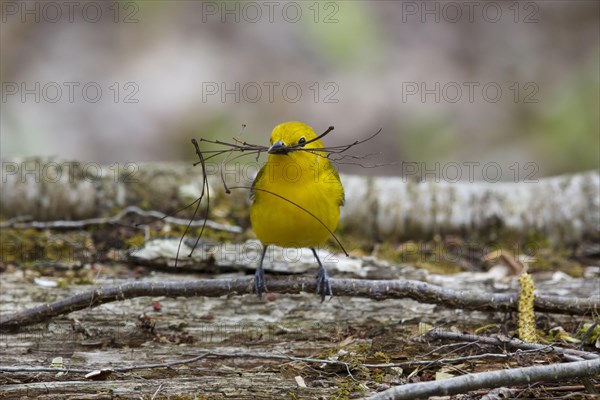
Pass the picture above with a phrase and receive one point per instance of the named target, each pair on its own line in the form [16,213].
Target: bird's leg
[260,286]
[323,285]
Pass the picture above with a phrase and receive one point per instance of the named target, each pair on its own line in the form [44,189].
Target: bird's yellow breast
[297,198]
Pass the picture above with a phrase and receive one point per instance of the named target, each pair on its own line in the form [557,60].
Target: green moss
[347,388]
[589,334]
[434,256]
[355,244]
[327,353]
[378,376]
[556,259]
[32,247]
[79,277]
[381,357]
[136,241]
[19,245]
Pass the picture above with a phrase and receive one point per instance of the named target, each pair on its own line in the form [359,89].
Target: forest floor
[279,347]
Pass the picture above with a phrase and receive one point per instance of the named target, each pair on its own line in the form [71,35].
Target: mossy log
[565,209]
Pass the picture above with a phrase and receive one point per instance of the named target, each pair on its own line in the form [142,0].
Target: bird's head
[289,137]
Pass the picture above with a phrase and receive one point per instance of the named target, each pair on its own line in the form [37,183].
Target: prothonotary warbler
[296,198]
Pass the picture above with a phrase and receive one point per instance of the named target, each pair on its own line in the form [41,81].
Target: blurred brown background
[134,81]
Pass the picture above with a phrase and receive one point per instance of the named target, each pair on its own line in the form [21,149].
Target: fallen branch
[492,379]
[571,354]
[116,369]
[374,289]
[23,223]
[285,357]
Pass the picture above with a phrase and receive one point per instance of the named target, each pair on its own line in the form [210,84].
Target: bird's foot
[260,286]
[323,284]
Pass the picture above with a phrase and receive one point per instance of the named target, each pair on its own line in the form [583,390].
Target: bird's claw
[260,286]
[323,284]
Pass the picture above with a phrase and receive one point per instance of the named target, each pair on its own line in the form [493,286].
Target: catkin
[526,313]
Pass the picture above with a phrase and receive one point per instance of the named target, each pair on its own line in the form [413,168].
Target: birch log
[566,208]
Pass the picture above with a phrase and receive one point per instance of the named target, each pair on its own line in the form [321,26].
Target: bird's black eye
[302,140]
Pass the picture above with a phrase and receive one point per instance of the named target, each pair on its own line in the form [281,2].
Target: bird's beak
[278,148]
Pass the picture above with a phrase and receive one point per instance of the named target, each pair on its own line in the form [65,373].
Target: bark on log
[566,208]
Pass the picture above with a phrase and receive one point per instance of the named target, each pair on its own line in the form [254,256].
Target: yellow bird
[296,197]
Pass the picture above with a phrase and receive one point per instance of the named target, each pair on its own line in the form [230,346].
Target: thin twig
[212,354]
[374,289]
[587,334]
[246,149]
[44,369]
[205,189]
[162,365]
[18,223]
[453,360]
[509,342]
[157,390]
[121,369]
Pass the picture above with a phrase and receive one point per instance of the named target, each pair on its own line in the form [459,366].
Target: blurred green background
[170,71]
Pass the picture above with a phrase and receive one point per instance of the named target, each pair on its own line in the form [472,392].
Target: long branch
[20,223]
[492,379]
[285,357]
[509,342]
[374,289]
